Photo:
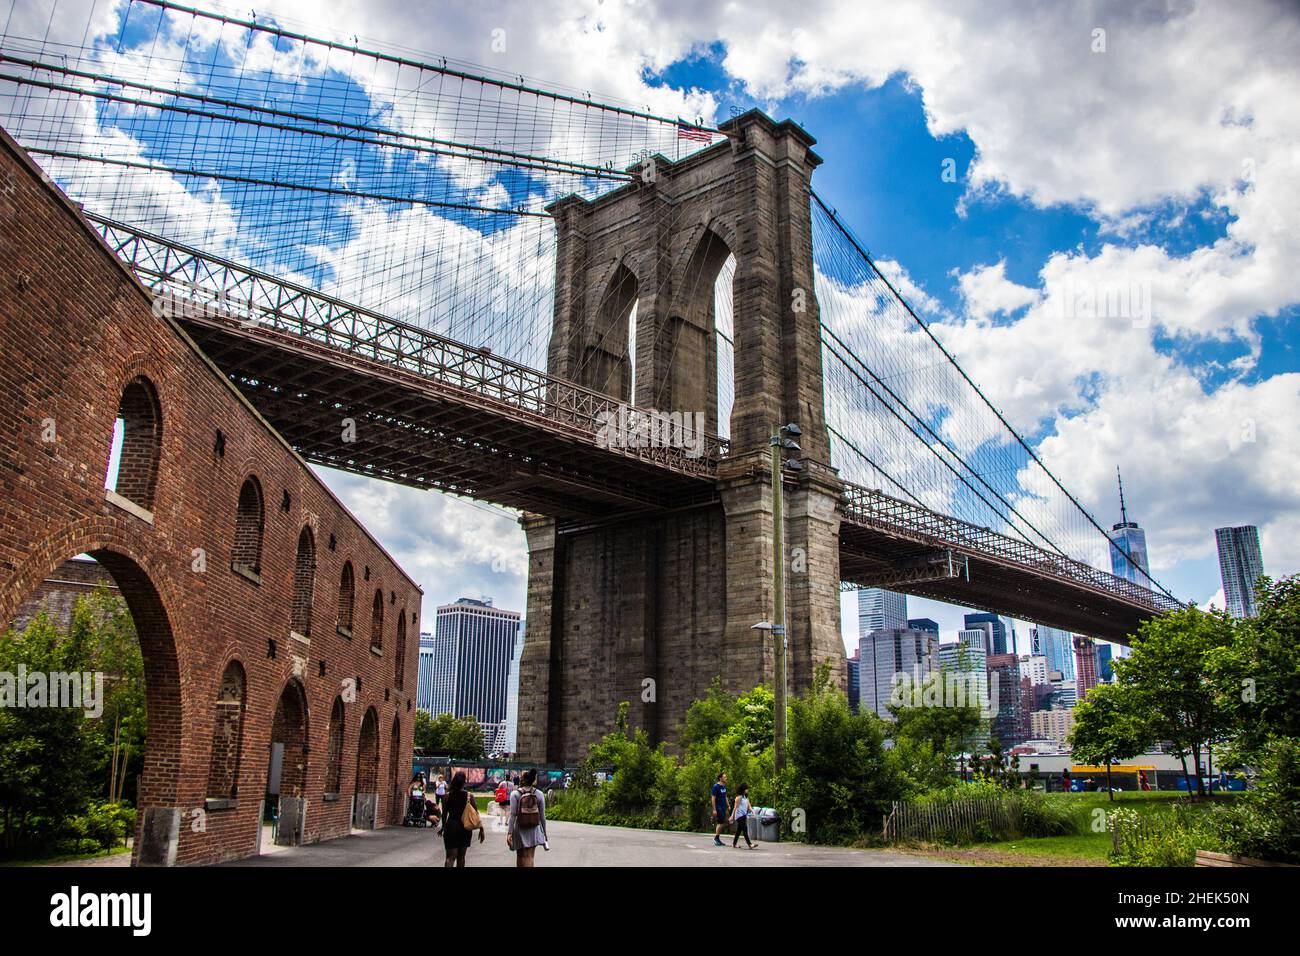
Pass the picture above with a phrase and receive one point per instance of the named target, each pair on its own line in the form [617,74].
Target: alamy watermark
[635,428]
[195,302]
[1129,300]
[945,689]
[77,690]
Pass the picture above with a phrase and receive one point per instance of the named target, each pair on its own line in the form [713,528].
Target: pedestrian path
[577,844]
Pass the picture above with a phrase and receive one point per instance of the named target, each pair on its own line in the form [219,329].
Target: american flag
[686,131]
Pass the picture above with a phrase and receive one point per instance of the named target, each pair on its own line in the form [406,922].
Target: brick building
[269,619]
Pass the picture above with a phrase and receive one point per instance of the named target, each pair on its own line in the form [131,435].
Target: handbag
[469,818]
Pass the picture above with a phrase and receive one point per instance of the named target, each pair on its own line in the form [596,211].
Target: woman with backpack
[460,820]
[740,812]
[526,827]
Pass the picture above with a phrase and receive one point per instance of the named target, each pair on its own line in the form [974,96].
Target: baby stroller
[417,811]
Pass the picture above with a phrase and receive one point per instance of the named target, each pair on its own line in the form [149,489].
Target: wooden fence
[953,821]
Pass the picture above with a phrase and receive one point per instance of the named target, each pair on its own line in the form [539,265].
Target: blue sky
[1163,156]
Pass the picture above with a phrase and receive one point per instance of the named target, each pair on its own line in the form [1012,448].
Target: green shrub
[1167,838]
[1041,816]
[1264,822]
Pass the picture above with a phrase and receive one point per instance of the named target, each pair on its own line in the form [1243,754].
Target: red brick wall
[75,329]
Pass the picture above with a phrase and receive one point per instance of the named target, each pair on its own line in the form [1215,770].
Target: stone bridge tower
[651,609]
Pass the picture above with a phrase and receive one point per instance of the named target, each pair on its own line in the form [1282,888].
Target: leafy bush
[1042,816]
[1264,822]
[1167,838]
[838,779]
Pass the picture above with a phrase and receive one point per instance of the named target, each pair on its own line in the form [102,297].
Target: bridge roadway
[354,390]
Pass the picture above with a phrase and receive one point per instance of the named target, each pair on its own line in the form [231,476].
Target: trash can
[765,825]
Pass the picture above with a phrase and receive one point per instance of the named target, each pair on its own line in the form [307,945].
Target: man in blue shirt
[719,792]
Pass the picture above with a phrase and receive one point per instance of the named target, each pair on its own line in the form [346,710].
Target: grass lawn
[1082,849]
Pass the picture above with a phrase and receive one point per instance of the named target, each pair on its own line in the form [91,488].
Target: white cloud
[987,292]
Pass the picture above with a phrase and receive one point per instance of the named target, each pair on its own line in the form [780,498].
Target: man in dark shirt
[719,792]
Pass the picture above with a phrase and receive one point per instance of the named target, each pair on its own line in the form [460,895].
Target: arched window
[334,769]
[227,735]
[137,444]
[377,623]
[396,773]
[399,654]
[368,754]
[304,578]
[289,727]
[347,598]
[249,519]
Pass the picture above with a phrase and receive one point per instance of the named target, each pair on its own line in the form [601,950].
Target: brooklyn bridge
[291,248]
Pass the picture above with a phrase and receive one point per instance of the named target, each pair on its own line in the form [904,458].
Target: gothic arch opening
[688,346]
[607,362]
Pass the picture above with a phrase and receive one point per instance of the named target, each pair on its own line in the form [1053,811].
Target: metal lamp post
[783,440]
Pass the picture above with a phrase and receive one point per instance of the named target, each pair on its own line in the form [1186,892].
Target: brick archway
[159,786]
[289,731]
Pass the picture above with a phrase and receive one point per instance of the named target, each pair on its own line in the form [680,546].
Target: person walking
[526,827]
[440,790]
[456,835]
[719,794]
[740,814]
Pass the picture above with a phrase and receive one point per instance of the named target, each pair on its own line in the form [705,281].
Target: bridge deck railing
[873,508]
[191,283]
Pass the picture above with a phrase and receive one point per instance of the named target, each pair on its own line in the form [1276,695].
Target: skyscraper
[473,645]
[424,676]
[1240,566]
[969,664]
[1105,673]
[855,688]
[996,628]
[510,744]
[1128,546]
[1085,654]
[1015,700]
[976,638]
[881,610]
[924,624]
[1056,646]
[882,654]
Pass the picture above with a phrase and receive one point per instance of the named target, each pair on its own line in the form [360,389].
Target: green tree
[1258,676]
[458,736]
[645,776]
[927,739]
[709,718]
[1110,724]
[46,756]
[838,776]
[754,724]
[1175,659]
[102,625]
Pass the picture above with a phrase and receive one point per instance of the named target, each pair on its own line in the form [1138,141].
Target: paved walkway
[575,844]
